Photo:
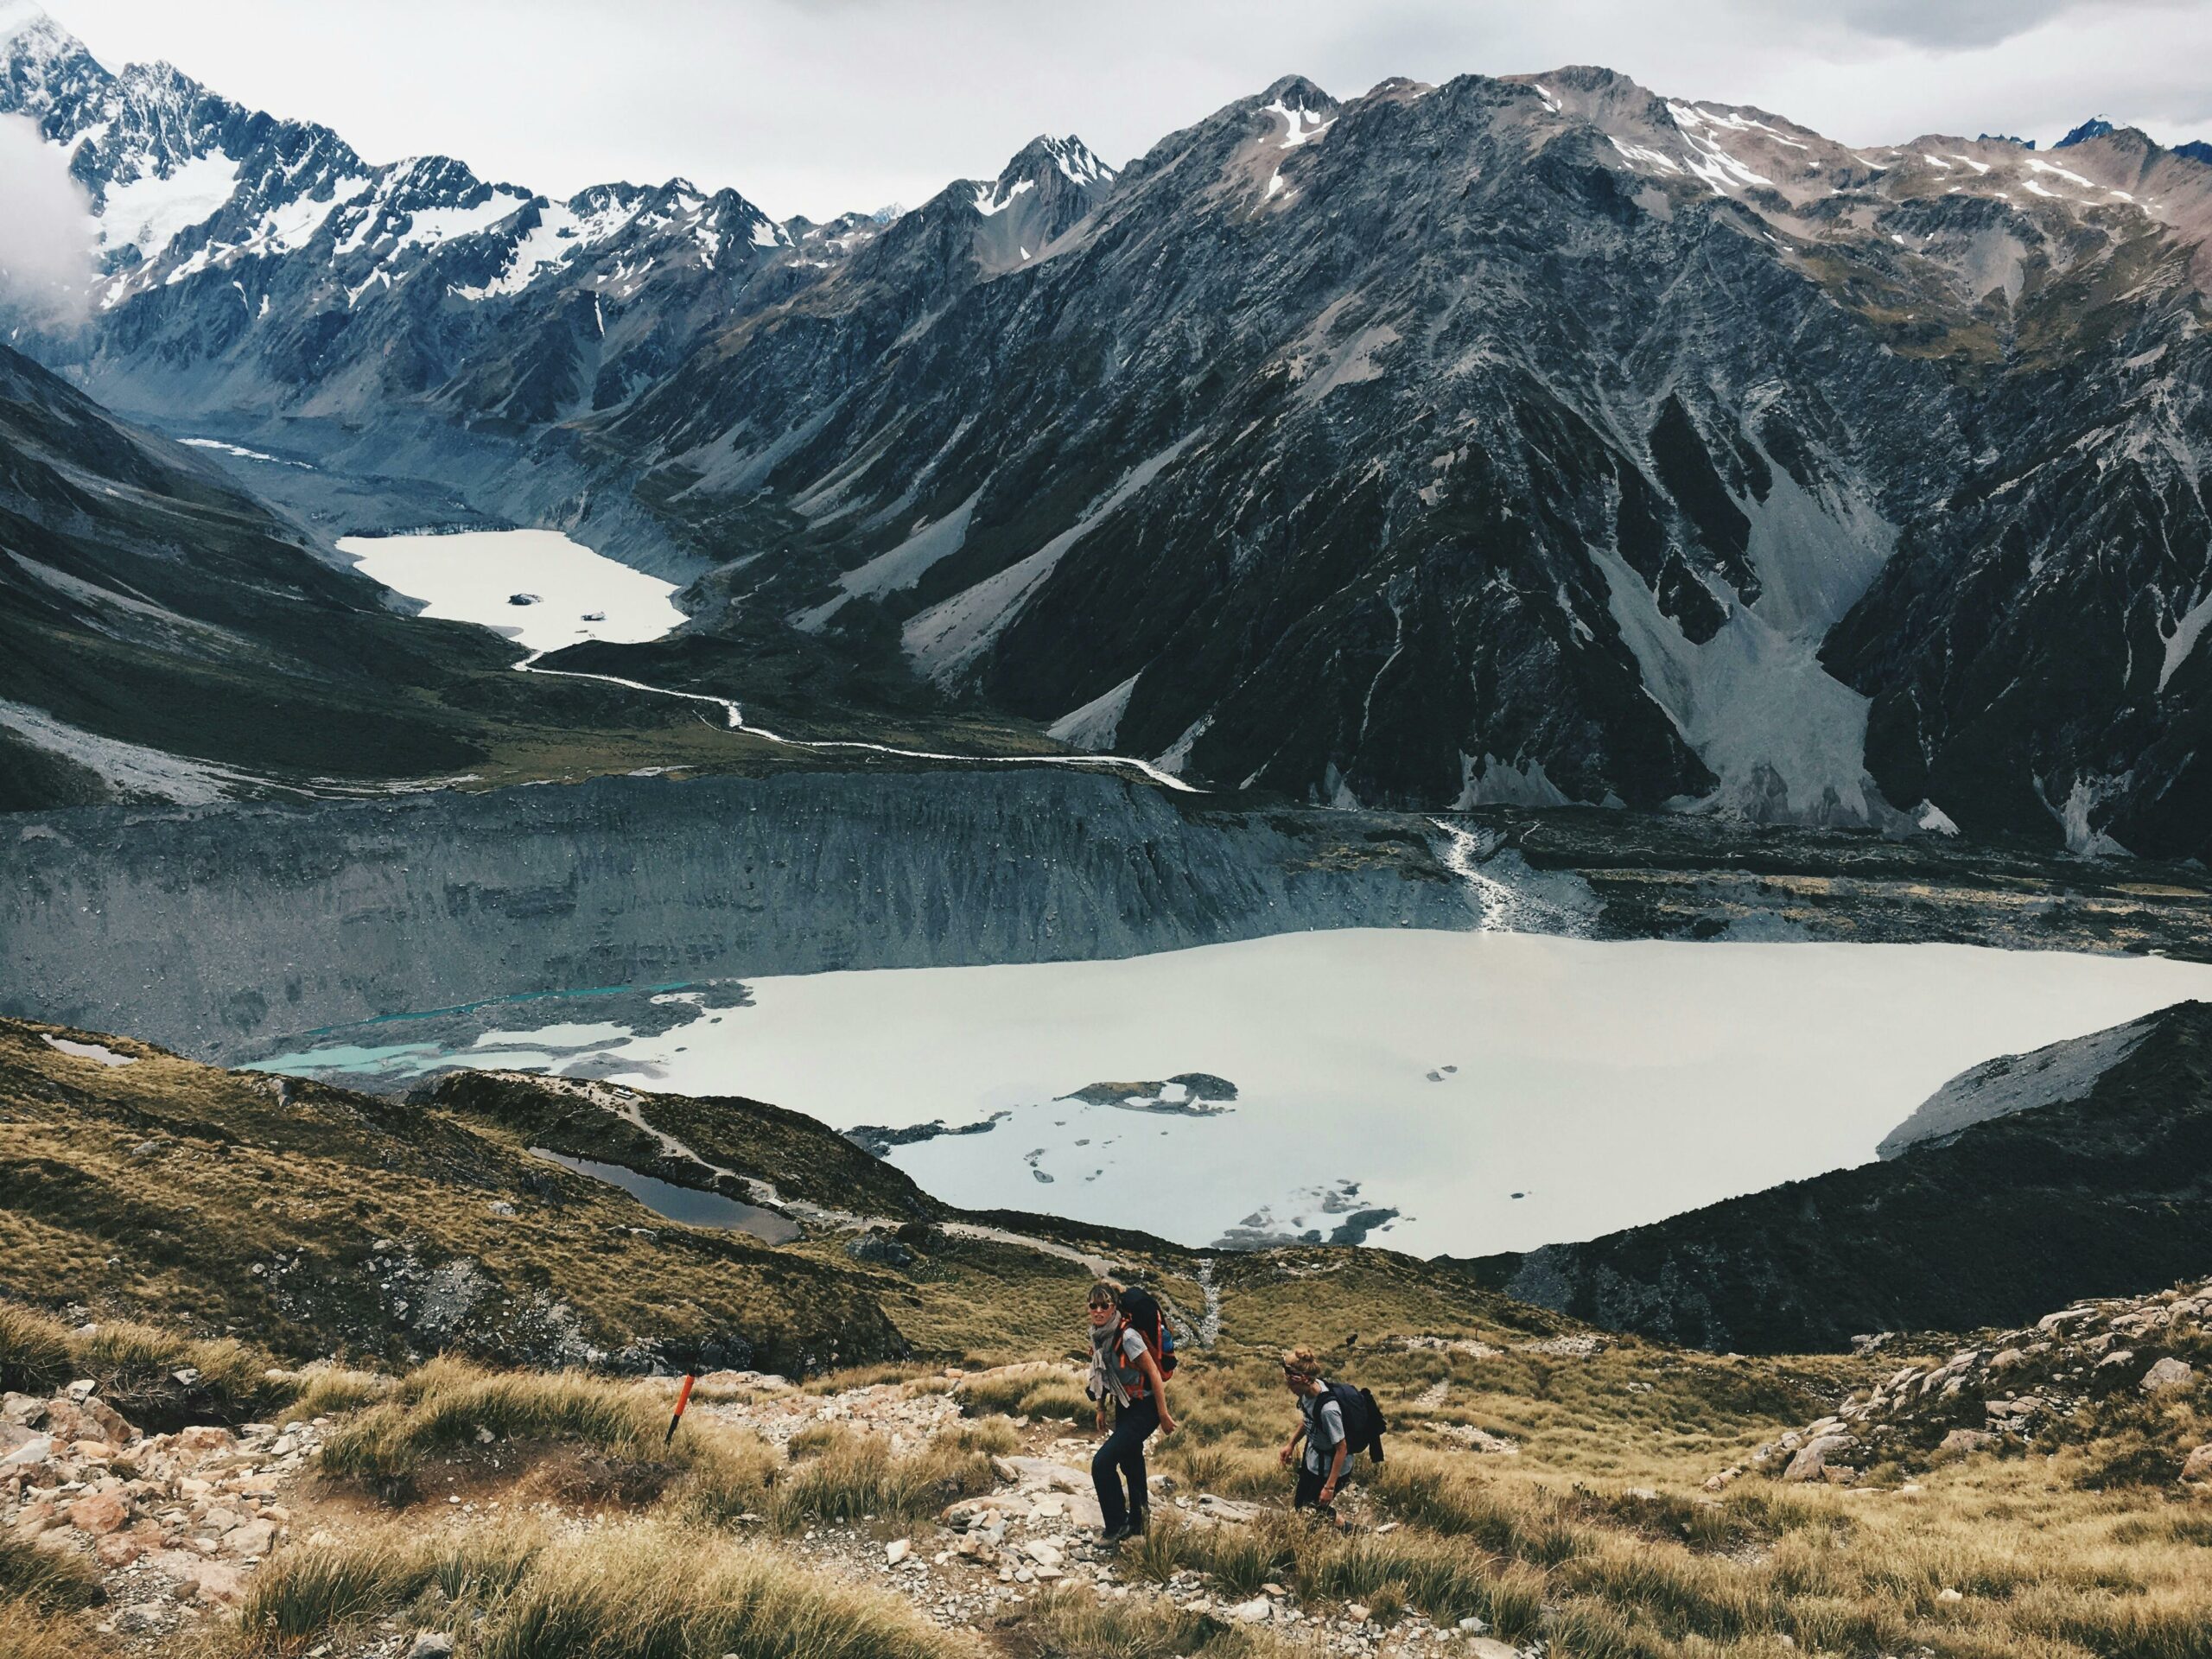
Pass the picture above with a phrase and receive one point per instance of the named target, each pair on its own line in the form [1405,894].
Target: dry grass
[638,1591]
[331,1390]
[39,1588]
[449,1404]
[839,1476]
[135,1367]
[49,1580]
[26,1633]
[1045,1392]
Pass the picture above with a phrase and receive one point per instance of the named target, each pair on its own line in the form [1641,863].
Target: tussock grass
[1039,1391]
[305,1591]
[135,1367]
[446,1404]
[332,1390]
[844,1475]
[49,1580]
[26,1633]
[640,1591]
[34,1351]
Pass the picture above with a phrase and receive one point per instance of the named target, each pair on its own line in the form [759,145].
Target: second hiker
[1132,1355]
[1335,1420]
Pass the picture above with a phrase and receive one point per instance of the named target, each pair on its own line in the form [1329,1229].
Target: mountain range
[1533,439]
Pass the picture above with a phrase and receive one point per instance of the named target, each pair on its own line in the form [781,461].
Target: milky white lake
[1499,1091]
[473,577]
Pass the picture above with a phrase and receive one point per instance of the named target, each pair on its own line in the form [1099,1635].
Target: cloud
[46,227]
[1966,25]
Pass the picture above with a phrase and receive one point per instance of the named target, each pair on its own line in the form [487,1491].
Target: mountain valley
[1541,736]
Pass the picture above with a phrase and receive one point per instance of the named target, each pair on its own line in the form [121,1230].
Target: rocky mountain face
[153,615]
[444,898]
[2097,1190]
[1532,439]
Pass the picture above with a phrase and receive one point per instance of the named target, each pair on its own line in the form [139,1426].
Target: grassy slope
[1596,1535]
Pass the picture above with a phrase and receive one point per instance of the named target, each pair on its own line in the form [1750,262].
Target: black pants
[1123,1457]
[1309,1486]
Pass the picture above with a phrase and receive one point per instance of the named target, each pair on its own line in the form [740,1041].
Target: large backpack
[1363,1423]
[1140,1312]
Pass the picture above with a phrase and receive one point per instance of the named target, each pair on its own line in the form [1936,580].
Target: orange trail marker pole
[683,1400]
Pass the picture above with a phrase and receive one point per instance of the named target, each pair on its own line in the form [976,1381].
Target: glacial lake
[475,576]
[1497,1090]
[685,1204]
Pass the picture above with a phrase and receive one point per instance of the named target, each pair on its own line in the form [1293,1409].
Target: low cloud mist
[46,228]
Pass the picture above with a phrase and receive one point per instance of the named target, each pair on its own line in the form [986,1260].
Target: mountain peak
[1071,155]
[1296,93]
[24,21]
[2095,127]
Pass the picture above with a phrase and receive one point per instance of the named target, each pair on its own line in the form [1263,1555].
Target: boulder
[2168,1375]
[1960,1441]
[254,1538]
[1043,1473]
[431,1644]
[1811,1461]
[881,1249]
[214,1581]
[1258,1611]
[2198,1465]
[36,1450]
[897,1551]
[99,1513]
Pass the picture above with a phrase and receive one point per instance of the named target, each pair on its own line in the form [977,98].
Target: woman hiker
[1321,1426]
[1123,1370]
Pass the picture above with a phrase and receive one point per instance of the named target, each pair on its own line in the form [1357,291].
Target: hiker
[1335,1420]
[1131,1355]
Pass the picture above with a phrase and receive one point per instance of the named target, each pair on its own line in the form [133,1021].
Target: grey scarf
[1105,1382]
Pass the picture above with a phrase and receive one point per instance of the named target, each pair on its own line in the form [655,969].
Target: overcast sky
[817,107]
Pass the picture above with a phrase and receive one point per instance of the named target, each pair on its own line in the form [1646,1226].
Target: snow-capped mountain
[1534,439]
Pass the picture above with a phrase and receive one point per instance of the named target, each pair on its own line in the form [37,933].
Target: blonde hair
[1303,1361]
[1106,1293]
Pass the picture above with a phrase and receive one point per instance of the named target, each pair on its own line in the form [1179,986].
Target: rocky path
[983,1558]
[177,1523]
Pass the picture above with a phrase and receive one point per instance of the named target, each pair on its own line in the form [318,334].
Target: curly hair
[1301,1362]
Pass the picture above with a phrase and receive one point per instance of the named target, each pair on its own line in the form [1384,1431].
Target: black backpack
[1363,1422]
[1144,1317]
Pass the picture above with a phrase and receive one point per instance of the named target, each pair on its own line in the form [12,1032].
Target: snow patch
[150,213]
[2189,628]
[1095,725]
[944,639]
[98,1053]
[1489,781]
[127,768]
